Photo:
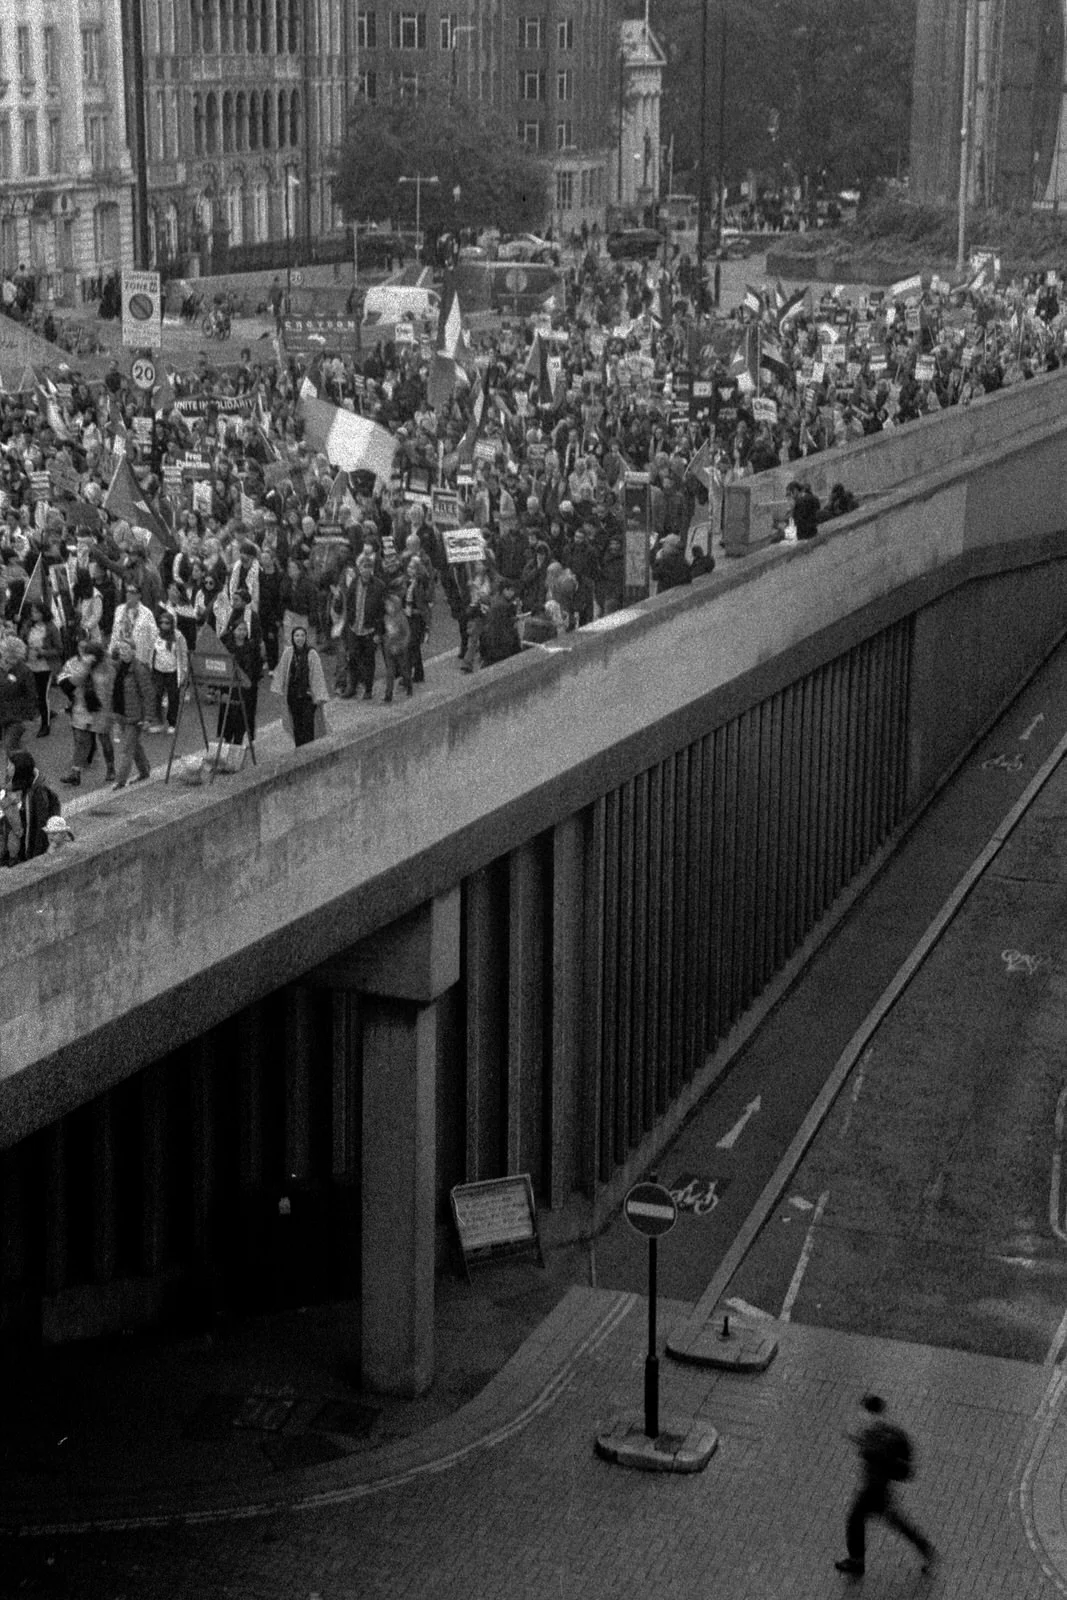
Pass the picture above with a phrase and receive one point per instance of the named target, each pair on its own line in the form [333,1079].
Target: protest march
[522,475]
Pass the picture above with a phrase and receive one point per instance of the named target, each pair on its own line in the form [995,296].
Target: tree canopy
[816,90]
[464,145]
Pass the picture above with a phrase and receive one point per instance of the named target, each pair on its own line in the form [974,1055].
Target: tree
[465,145]
[817,91]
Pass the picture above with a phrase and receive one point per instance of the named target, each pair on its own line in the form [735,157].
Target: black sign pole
[652,1360]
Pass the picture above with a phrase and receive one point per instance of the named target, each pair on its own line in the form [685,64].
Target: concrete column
[55,1208]
[104,1192]
[398,1191]
[568,893]
[486,1023]
[298,1048]
[154,1168]
[525,1059]
[399,974]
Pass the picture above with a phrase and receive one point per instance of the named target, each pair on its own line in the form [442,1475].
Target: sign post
[650,1210]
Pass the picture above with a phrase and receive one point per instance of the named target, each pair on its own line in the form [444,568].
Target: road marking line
[846,1062]
[802,1263]
[1042,1427]
[1057,1170]
[861,1073]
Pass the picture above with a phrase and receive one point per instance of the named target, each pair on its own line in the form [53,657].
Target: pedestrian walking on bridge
[886,1458]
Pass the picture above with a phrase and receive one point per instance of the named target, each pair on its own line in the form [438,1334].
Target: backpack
[888,1451]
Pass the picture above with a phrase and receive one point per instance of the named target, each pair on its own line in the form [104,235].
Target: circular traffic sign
[649,1208]
[143,372]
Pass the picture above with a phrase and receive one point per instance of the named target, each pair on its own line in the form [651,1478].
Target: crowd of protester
[128,524]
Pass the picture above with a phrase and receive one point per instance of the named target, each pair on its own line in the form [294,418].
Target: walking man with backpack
[886,1457]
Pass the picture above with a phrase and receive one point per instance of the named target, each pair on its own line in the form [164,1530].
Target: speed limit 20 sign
[143,372]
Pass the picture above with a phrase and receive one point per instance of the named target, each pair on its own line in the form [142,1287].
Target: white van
[394,302]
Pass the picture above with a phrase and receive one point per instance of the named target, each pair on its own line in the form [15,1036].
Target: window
[410,30]
[96,139]
[91,61]
[530,134]
[565,34]
[368,85]
[563,84]
[367,30]
[162,147]
[564,136]
[531,86]
[407,85]
[529,33]
[564,191]
[51,56]
[31,163]
[5,147]
[449,33]
[55,144]
[24,50]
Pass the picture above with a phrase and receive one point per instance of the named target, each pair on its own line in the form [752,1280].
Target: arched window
[198,126]
[283,119]
[264,25]
[295,43]
[211,125]
[281,11]
[266,135]
[196,25]
[235,213]
[260,212]
[211,26]
[241,125]
[253,122]
[227,121]
[294,118]
[226,26]
[251,40]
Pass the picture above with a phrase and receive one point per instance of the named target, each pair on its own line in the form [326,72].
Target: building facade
[1018,108]
[636,163]
[65,171]
[549,66]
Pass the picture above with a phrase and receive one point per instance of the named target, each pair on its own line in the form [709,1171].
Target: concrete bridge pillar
[399,975]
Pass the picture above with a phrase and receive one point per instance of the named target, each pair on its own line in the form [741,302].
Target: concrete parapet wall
[880,464]
[121,950]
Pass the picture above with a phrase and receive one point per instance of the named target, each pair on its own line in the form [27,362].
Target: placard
[463,544]
[495,1218]
[445,508]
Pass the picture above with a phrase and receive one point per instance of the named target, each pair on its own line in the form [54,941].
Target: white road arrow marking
[1038,720]
[728,1140]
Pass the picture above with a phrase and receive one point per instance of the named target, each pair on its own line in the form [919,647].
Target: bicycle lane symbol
[697,1195]
[1003,763]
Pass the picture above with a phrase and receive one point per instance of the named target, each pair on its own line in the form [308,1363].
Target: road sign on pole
[650,1210]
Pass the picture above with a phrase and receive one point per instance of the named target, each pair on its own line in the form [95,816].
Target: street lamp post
[418,180]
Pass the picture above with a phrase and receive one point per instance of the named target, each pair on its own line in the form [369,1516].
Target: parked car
[635,244]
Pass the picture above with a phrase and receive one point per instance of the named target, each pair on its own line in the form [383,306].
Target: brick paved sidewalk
[508,1499]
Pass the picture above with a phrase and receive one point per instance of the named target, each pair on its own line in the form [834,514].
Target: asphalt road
[929,1205]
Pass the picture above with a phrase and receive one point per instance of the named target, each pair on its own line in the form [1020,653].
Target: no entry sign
[649,1208]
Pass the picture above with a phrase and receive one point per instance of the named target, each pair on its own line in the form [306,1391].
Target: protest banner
[463,544]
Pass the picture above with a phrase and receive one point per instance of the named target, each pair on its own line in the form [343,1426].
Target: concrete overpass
[247,1046]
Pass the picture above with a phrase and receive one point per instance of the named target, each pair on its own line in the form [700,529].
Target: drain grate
[268,1410]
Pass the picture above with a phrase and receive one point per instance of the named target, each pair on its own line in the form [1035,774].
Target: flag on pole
[537,367]
[771,357]
[701,466]
[48,406]
[346,440]
[451,354]
[339,499]
[125,498]
[33,594]
[791,307]
[477,419]
[753,300]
